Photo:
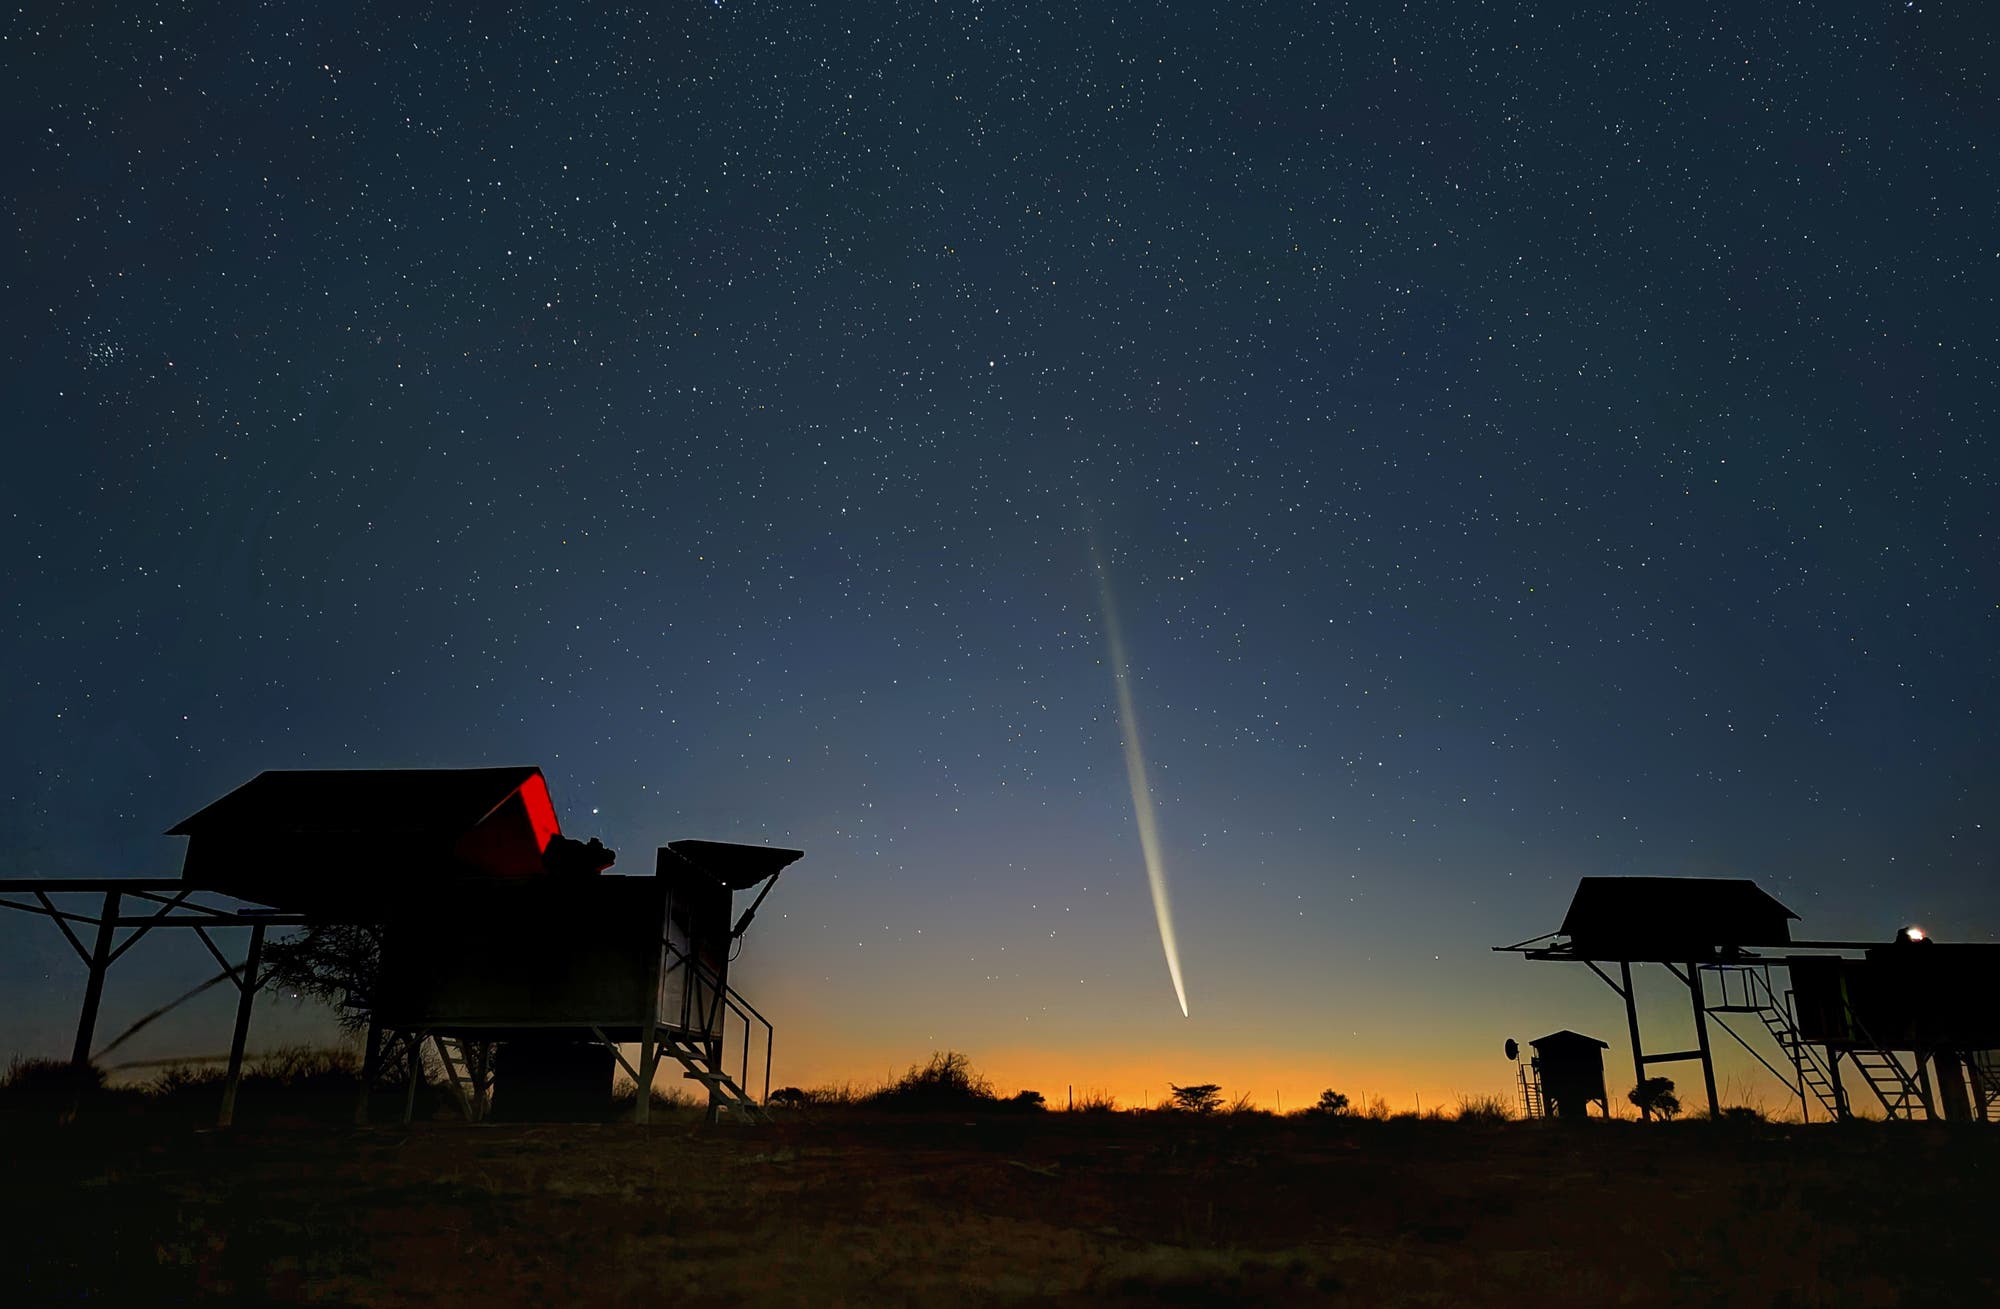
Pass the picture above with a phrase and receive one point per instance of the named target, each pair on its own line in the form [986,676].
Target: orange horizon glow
[1272,1079]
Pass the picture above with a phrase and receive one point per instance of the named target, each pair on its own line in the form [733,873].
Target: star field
[1525,445]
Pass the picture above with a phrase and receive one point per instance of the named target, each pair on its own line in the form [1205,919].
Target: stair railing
[711,1000]
[1911,1093]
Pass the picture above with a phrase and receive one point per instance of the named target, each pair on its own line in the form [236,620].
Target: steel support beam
[649,1039]
[371,1071]
[246,986]
[415,1042]
[1701,1038]
[1632,1025]
[93,988]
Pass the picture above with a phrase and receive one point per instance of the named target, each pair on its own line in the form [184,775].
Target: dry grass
[1093,1101]
[1070,1209]
[1484,1109]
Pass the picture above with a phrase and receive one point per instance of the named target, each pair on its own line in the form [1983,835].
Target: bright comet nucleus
[1135,774]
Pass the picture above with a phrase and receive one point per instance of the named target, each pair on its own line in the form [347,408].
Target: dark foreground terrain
[1070,1208]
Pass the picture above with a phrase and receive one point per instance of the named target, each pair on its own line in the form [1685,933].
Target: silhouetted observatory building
[498,928]
[1570,1069]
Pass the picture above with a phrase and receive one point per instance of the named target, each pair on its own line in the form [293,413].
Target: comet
[1135,774]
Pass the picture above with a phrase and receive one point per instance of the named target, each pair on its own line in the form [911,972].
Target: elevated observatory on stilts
[507,952]
[1915,1022]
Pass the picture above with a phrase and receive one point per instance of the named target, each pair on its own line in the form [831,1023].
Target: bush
[1484,1109]
[1029,1101]
[1330,1102]
[946,1082]
[666,1099]
[50,1088]
[1655,1095]
[1740,1115]
[1094,1102]
[1242,1107]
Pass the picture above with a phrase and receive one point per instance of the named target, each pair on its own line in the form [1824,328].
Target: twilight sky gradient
[1523,446]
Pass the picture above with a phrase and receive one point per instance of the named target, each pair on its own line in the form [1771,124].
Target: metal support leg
[93,989]
[414,1041]
[649,1041]
[649,1062]
[371,1071]
[1632,1025]
[1953,1101]
[1701,1039]
[246,985]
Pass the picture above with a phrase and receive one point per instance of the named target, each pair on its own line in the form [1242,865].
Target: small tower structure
[1568,1069]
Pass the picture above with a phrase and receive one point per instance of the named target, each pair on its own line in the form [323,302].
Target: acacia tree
[1205,1098]
[337,964]
[340,965]
[1331,1102]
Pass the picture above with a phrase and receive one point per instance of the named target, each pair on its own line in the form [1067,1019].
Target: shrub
[668,1099]
[1330,1102]
[49,1088]
[947,1081]
[1094,1102]
[1029,1101]
[1741,1115]
[178,1079]
[1655,1095]
[1484,1109]
[1241,1107]
[306,1063]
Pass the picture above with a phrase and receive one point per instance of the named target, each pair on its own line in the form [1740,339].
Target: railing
[706,1004]
[1756,995]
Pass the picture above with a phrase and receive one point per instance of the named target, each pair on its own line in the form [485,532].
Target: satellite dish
[1513,1050]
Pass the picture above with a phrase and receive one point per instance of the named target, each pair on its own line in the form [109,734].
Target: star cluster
[1526,445]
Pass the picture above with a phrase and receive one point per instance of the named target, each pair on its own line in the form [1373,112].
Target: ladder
[695,1056]
[1531,1094]
[1531,1089]
[1814,1076]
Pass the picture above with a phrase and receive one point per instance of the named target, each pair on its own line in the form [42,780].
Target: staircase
[1814,1076]
[1754,995]
[724,1093]
[467,1069]
[1983,1071]
[696,1036]
[1899,1093]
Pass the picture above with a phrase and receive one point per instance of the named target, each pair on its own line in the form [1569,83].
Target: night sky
[1521,445]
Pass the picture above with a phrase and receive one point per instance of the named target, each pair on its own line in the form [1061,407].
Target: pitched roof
[1610,912]
[1556,1040]
[348,842]
[378,801]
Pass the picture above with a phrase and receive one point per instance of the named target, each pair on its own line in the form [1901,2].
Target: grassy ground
[849,1208]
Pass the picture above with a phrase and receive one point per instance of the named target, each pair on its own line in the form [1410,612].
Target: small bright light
[1914,933]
